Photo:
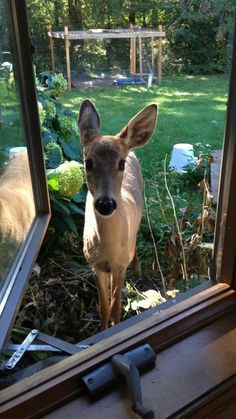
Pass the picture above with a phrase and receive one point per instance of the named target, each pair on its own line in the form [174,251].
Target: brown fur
[16,199]
[110,240]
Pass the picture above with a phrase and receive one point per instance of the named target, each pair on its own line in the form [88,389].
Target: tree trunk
[75,14]
[132,12]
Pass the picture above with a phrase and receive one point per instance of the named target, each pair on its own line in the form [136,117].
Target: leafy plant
[179,218]
[53,154]
[67,179]
[63,157]
[7,87]
[50,111]
[67,196]
[57,84]
[67,125]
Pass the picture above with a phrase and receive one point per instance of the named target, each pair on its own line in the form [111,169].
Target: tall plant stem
[184,266]
[154,245]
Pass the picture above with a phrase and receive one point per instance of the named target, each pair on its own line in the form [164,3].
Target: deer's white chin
[105,216]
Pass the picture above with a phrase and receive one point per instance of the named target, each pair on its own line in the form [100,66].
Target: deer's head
[105,156]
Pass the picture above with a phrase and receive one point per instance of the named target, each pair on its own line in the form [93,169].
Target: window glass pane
[16,197]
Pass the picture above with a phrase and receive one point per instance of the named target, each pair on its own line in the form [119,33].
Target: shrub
[63,156]
[59,85]
[70,178]
[53,154]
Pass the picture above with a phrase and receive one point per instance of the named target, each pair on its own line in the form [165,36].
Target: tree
[198,31]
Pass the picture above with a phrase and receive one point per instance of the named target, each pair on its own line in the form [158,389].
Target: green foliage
[67,214]
[58,124]
[199,34]
[42,15]
[7,86]
[67,126]
[59,85]
[41,113]
[53,154]
[50,112]
[195,46]
[12,133]
[70,178]
[63,158]
[56,83]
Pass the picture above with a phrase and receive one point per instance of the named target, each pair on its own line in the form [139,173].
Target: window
[160,329]
[24,213]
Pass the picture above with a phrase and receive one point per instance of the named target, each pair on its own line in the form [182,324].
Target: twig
[159,201]
[183,265]
[154,245]
[205,193]
[73,274]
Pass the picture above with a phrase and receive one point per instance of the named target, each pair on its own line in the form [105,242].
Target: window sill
[47,389]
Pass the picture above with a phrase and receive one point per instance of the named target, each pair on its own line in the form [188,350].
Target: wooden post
[52,50]
[132,53]
[159,64]
[140,56]
[67,48]
[152,54]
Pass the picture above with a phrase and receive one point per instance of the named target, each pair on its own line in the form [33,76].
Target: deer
[17,208]
[114,203]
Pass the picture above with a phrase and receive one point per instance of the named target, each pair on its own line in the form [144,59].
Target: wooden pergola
[134,34]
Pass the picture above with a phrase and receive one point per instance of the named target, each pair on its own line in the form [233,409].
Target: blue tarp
[129,81]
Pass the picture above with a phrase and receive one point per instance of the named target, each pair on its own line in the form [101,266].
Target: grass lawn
[192,110]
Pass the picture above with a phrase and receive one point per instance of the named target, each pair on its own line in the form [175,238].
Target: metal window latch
[126,365]
[15,358]
[51,344]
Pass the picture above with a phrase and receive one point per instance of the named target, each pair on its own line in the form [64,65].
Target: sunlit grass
[192,110]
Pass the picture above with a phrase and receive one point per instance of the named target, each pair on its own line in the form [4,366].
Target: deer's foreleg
[136,268]
[102,280]
[116,289]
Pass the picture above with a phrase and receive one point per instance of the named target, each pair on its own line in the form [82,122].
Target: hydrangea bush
[63,155]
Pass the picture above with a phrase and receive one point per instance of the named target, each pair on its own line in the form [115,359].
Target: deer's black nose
[105,206]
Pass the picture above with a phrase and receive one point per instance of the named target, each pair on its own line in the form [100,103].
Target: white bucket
[150,77]
[182,156]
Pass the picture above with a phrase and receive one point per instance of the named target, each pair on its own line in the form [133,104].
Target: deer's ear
[88,122]
[140,128]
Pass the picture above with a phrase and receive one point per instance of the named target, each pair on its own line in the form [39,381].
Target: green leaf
[72,149]
[59,206]
[58,223]
[81,196]
[76,209]
[71,224]
[53,155]
[53,181]
[49,136]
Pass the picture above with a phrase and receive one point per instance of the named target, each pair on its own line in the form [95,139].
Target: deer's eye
[121,165]
[88,164]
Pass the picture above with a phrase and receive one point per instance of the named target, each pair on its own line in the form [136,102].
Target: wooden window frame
[21,269]
[54,386]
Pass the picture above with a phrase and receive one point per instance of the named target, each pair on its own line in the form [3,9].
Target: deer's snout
[105,206]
